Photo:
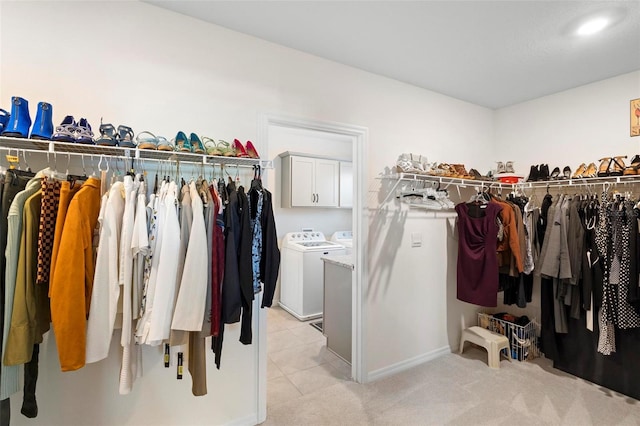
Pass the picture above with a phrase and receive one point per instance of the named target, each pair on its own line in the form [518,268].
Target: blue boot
[43,126]
[20,121]
[4,119]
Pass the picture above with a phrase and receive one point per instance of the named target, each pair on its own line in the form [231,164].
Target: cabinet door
[326,183]
[346,184]
[302,189]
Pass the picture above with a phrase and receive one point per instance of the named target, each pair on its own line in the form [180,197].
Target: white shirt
[165,291]
[190,306]
[106,288]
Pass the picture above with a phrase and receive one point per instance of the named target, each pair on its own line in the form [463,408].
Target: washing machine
[344,238]
[302,272]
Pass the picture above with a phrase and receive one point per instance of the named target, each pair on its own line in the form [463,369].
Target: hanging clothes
[106,286]
[70,290]
[477,277]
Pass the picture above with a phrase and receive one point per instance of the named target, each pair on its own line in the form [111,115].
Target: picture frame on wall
[635,117]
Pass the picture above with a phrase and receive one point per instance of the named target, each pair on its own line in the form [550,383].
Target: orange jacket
[73,279]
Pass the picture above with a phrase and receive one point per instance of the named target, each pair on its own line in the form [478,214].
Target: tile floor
[308,385]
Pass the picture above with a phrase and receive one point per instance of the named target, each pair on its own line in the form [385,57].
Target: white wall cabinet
[310,181]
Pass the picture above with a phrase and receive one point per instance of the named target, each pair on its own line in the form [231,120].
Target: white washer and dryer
[344,238]
[302,272]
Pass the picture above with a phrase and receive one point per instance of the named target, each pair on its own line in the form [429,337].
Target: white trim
[251,419]
[360,136]
[408,363]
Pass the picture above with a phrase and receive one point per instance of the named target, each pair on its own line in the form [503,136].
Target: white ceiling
[491,53]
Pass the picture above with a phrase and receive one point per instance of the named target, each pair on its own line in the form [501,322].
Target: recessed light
[592,26]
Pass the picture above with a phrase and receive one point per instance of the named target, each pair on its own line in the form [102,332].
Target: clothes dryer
[302,279]
[344,238]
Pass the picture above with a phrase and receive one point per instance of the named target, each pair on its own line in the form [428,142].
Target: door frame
[360,140]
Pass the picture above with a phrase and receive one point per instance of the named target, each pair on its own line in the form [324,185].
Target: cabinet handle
[317,198]
[313,198]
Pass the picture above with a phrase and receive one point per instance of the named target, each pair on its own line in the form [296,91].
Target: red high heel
[251,150]
[239,149]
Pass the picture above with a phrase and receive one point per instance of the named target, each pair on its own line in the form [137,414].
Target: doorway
[330,140]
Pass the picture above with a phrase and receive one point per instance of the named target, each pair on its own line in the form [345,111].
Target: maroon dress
[477,260]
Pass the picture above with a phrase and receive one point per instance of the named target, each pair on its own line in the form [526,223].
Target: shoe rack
[21,146]
[596,183]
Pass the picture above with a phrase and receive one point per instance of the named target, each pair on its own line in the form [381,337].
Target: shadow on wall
[460,315]
[386,229]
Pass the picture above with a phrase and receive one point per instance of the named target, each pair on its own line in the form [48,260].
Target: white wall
[576,126]
[151,69]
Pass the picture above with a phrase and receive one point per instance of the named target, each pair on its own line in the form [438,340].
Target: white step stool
[492,342]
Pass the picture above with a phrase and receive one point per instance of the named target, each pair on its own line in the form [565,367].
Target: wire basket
[523,340]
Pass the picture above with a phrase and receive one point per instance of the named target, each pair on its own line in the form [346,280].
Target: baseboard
[251,419]
[407,364]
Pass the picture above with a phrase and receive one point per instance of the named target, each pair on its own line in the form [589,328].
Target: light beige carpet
[461,390]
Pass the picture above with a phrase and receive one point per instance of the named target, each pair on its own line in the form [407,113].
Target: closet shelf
[485,184]
[39,146]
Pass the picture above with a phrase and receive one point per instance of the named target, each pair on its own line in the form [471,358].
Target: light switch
[416,240]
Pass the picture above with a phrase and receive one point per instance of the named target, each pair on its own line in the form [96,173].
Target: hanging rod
[42,147]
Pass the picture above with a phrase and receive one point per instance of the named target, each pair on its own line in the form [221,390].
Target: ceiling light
[593,26]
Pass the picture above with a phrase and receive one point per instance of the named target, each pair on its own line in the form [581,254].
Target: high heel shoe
[239,149]
[554,174]
[182,143]
[603,170]
[196,144]
[591,171]
[617,166]
[566,173]
[579,171]
[508,167]
[500,168]
[251,150]
[634,168]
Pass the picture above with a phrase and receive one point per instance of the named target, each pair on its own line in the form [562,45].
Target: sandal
[226,149]
[147,140]
[239,149]
[634,167]
[107,135]
[83,132]
[617,166]
[508,167]
[125,137]
[165,145]
[591,171]
[182,143]
[603,170]
[211,146]
[580,171]
[196,144]
[66,131]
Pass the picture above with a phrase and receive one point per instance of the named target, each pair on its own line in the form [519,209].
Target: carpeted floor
[462,390]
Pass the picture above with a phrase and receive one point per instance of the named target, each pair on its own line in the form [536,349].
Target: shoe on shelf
[125,137]
[566,173]
[4,119]
[196,144]
[251,150]
[241,152]
[211,146]
[146,140]
[500,168]
[228,151]
[634,168]
[591,171]
[603,170]
[617,166]
[66,131]
[83,132]
[43,124]
[555,174]
[20,121]
[508,167]
[533,174]
[580,171]
[544,172]
[182,143]
[107,135]
[164,144]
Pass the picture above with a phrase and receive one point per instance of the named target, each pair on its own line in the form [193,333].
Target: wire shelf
[39,146]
